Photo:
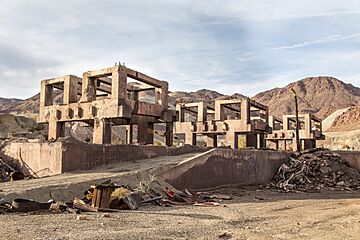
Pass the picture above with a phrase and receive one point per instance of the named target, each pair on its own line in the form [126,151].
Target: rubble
[315,170]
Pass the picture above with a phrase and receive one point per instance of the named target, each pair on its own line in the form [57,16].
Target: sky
[242,46]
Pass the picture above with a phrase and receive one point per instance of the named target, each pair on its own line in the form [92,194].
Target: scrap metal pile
[110,197]
[315,170]
[9,173]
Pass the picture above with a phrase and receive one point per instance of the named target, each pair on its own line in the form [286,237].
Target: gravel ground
[252,214]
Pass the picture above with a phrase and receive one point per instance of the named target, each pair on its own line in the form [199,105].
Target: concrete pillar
[294,145]
[102,131]
[260,141]
[129,134]
[169,134]
[245,110]
[46,95]
[88,91]
[56,129]
[271,122]
[119,84]
[219,111]
[307,120]
[285,123]
[161,95]
[190,138]
[180,112]
[231,138]
[145,133]
[211,140]
[202,112]
[71,85]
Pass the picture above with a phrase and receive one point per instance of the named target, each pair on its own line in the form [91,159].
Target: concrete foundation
[225,167]
[46,158]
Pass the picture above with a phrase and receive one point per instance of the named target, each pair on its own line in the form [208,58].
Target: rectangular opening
[141,92]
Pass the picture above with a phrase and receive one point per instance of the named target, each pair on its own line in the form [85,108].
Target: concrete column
[307,120]
[231,138]
[271,122]
[219,111]
[202,112]
[145,133]
[211,140]
[169,134]
[46,95]
[245,110]
[102,131]
[190,138]
[71,85]
[129,134]
[260,141]
[88,91]
[180,112]
[119,84]
[56,129]
[286,124]
[294,145]
[161,95]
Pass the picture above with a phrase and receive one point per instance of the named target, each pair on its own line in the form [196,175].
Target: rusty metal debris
[314,170]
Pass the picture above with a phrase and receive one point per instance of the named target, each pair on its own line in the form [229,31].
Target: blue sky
[243,46]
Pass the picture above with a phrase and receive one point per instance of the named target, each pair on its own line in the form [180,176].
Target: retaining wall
[50,158]
[351,157]
[225,167]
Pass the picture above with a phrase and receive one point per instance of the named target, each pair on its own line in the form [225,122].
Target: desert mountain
[349,120]
[319,95]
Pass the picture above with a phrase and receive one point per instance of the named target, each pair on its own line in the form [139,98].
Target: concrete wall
[41,158]
[59,157]
[225,167]
[351,157]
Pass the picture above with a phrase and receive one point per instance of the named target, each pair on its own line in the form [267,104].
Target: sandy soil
[247,216]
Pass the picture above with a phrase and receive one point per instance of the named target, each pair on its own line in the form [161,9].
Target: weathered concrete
[244,122]
[225,167]
[46,158]
[103,98]
[283,136]
[351,157]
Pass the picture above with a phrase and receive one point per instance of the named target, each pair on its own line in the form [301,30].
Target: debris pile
[9,173]
[110,197]
[315,170]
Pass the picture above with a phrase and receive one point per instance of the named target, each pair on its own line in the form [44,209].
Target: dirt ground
[253,213]
[250,215]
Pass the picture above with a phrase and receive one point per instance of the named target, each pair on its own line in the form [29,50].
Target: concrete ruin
[242,122]
[283,136]
[103,98]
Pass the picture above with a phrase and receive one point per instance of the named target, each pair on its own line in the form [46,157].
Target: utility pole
[298,146]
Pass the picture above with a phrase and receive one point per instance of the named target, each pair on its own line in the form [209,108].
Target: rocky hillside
[319,95]
[10,124]
[349,120]
[198,96]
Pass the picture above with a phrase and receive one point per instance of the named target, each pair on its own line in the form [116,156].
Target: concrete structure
[226,167]
[284,134]
[52,158]
[243,122]
[103,98]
